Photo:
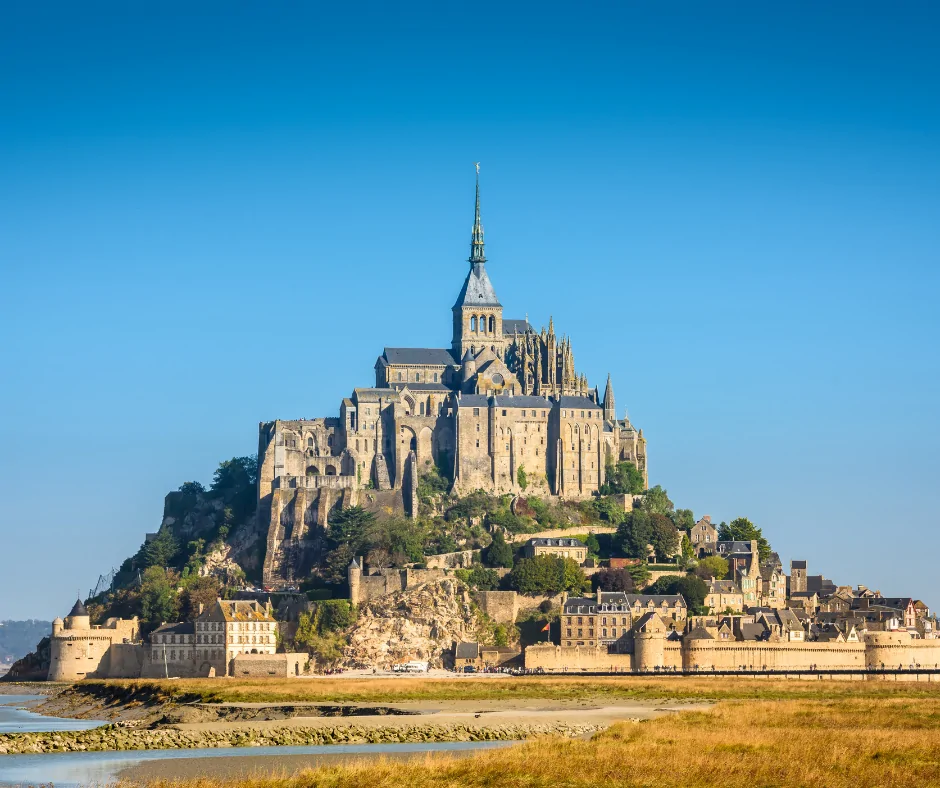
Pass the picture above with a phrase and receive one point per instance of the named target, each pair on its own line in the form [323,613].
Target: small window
[435,377]
[476,411]
[504,413]
[473,323]
[417,377]
[401,376]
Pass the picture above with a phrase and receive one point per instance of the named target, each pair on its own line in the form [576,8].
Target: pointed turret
[610,411]
[476,238]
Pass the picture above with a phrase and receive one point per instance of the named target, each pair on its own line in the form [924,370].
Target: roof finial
[476,239]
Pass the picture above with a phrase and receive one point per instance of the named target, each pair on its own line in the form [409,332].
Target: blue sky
[215,216]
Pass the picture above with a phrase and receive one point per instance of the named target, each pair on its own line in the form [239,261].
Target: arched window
[401,376]
[473,323]
[492,324]
[310,441]
[329,441]
[417,377]
[483,324]
[422,408]
[330,470]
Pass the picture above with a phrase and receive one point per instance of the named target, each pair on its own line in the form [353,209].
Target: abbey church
[502,406]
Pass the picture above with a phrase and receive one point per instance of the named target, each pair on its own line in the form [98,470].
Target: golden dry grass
[506,688]
[853,742]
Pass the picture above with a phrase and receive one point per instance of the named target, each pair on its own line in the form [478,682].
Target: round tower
[469,366]
[649,644]
[354,577]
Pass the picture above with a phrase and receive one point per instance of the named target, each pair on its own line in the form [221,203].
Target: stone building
[565,547]
[724,595]
[704,537]
[79,650]
[607,620]
[172,650]
[231,627]
[503,403]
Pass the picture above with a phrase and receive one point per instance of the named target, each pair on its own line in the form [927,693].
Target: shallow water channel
[79,769]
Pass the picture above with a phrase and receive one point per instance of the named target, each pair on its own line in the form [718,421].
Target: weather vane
[477,165]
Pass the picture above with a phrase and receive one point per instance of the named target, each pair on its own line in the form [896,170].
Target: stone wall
[501,606]
[893,650]
[268,665]
[458,560]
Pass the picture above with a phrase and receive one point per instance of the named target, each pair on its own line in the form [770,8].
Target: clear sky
[214,214]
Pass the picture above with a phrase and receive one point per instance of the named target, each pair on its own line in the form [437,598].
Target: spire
[610,411]
[476,238]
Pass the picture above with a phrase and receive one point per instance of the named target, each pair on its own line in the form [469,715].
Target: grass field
[881,735]
[509,688]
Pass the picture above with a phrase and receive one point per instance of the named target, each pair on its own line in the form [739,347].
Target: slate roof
[473,401]
[580,604]
[467,651]
[180,628]
[753,632]
[578,402]
[722,587]
[699,633]
[424,356]
[546,542]
[477,289]
[78,609]
[798,564]
[516,326]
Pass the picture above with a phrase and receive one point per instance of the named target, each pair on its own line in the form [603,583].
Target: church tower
[478,315]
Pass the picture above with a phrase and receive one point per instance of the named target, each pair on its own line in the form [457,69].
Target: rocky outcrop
[240,553]
[32,667]
[420,623]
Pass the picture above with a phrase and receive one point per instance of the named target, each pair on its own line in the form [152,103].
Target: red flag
[547,626]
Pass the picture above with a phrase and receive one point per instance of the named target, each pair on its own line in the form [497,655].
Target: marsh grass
[619,688]
[852,742]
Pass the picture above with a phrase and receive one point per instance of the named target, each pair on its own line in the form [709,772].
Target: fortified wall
[889,650]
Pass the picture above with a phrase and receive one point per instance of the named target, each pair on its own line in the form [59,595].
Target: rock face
[32,667]
[420,623]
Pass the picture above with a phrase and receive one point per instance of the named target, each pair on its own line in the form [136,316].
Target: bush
[624,478]
[613,580]
[479,577]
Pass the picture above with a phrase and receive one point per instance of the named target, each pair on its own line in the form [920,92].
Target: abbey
[503,407]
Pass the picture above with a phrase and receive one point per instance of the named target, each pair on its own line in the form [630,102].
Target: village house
[574,549]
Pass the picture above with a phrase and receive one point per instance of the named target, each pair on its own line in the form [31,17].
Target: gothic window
[310,441]
[421,405]
[417,377]
[473,323]
[329,441]
[492,324]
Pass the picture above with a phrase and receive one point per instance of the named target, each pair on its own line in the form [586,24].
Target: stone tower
[478,315]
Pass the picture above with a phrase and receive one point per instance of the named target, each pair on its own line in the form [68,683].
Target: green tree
[337,564]
[158,598]
[624,478]
[521,479]
[162,549]
[198,591]
[609,509]
[352,527]
[640,574]
[634,534]
[692,589]
[688,551]
[499,553]
[335,615]
[593,545]
[547,574]
[743,530]
[663,536]
[684,519]
[656,501]
[712,567]
[479,577]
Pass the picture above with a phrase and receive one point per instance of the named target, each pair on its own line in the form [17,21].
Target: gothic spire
[610,410]
[476,238]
